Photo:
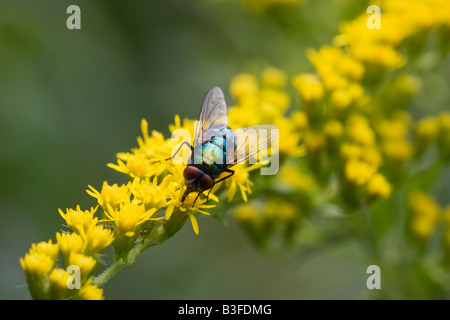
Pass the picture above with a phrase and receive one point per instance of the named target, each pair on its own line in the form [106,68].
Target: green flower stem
[122,264]
[158,235]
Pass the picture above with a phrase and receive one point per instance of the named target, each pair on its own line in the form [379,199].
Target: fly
[217,147]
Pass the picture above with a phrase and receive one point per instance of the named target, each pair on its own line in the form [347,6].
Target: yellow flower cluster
[80,250]
[265,100]
[150,207]
[353,122]
[333,103]
[427,215]
[434,130]
[271,224]
[356,133]
[346,114]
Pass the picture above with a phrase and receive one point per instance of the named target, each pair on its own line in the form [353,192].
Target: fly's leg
[207,196]
[179,148]
[226,170]
[198,195]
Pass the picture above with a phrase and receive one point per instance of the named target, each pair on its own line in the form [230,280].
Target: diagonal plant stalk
[157,235]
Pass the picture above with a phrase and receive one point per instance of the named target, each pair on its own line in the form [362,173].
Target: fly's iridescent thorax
[211,157]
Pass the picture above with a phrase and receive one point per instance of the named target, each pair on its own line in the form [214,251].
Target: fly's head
[196,181]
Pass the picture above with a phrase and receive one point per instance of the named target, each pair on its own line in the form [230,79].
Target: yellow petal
[94,193]
[194,223]
[231,191]
[169,212]
[244,195]
[62,214]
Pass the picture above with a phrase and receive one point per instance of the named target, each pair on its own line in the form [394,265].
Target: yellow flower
[274,78]
[190,208]
[128,218]
[278,100]
[236,118]
[45,248]
[428,128]
[366,154]
[90,292]
[188,125]
[446,218]
[408,84]
[246,213]
[292,176]
[378,187]
[372,156]
[300,120]
[175,186]
[350,67]
[146,160]
[444,134]
[392,129]
[309,87]
[240,179]
[397,150]
[152,146]
[374,46]
[37,264]
[358,172]
[149,193]
[426,213]
[114,195]
[79,220]
[243,85]
[288,142]
[332,60]
[59,277]
[340,99]
[282,210]
[350,151]
[85,263]
[444,121]
[314,141]
[359,130]
[97,239]
[269,220]
[138,166]
[379,55]
[58,284]
[69,242]
[333,129]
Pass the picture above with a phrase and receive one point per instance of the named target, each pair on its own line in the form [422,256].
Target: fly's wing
[213,114]
[252,140]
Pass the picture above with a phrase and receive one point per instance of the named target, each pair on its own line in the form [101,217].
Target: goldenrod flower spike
[347,141]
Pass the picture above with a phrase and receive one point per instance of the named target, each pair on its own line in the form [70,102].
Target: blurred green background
[71,99]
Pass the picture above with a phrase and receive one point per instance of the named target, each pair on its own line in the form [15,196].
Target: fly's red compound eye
[191,173]
[206,182]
